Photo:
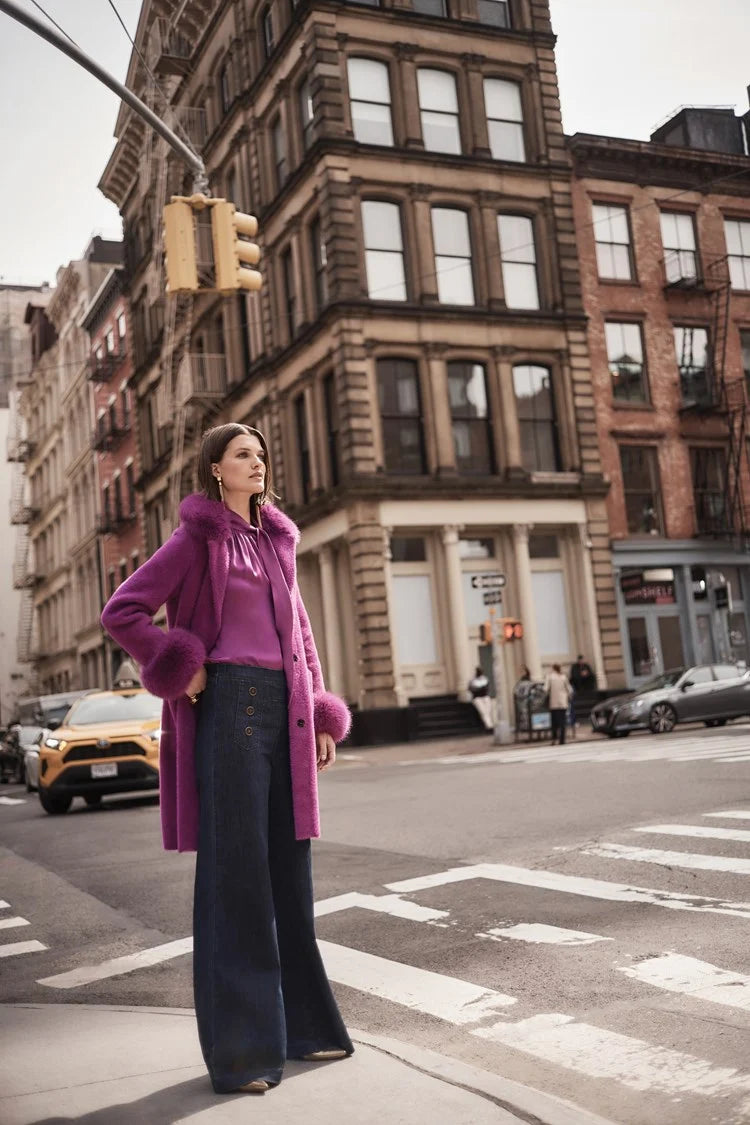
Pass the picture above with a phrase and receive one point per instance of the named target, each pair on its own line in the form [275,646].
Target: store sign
[639,589]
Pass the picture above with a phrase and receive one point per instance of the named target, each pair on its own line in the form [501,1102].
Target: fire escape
[718,389]
[21,513]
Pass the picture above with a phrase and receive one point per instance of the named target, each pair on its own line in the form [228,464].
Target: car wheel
[55,806]
[93,799]
[663,718]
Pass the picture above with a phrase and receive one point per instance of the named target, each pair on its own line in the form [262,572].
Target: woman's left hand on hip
[326,751]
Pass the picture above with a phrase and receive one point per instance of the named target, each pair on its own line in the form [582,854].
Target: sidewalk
[143,1066]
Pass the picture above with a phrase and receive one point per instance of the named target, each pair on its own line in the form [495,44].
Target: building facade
[59,501]
[418,356]
[664,236]
[119,506]
[16,596]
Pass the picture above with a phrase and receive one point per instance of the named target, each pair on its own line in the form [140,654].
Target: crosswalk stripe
[4,905]
[17,947]
[381,904]
[688,860]
[575,885]
[690,977]
[9,923]
[597,1053]
[537,933]
[731,814]
[118,965]
[12,800]
[456,1001]
[742,836]
[735,758]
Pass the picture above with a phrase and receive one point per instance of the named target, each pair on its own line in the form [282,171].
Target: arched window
[267,28]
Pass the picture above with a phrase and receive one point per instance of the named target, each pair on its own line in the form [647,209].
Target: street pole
[502,726]
[191,158]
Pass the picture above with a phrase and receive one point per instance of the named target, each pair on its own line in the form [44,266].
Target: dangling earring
[221,490]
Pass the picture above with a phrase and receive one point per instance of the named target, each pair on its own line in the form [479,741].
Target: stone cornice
[645,162]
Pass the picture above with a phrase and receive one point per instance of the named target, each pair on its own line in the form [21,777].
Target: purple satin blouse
[255,599]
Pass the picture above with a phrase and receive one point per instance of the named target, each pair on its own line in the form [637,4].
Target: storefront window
[640,653]
[705,646]
[543,547]
[738,637]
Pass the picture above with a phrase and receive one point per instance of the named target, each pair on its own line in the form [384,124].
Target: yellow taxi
[108,743]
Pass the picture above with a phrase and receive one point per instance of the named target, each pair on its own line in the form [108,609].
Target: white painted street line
[545,935]
[731,814]
[688,860]
[690,977]
[575,885]
[735,758]
[590,1050]
[456,1001]
[382,904]
[12,800]
[18,947]
[119,965]
[4,905]
[741,835]
[9,923]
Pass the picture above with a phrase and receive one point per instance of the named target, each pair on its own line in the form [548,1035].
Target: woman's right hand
[197,684]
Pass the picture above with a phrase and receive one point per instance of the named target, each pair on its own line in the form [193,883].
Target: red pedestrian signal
[512,630]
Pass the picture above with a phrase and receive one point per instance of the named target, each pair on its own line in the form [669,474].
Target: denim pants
[261,991]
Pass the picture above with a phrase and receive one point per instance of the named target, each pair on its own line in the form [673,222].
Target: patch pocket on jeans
[257,713]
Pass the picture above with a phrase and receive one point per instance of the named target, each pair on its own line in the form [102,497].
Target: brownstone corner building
[664,236]
[418,354]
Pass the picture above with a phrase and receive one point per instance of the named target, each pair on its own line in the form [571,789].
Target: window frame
[280,162]
[444,15]
[319,255]
[505,259]
[628,400]
[473,421]
[455,115]
[521,124]
[649,453]
[377,250]
[533,423]
[306,113]
[708,521]
[350,61]
[331,413]
[744,258]
[466,258]
[289,290]
[268,33]
[693,369]
[416,419]
[679,251]
[621,205]
[302,433]
[501,5]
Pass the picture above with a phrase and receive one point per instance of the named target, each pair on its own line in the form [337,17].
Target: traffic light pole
[502,726]
[191,158]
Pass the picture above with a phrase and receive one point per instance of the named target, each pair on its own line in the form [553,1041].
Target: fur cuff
[331,716]
[171,669]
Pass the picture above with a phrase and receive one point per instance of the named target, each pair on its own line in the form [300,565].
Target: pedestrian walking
[582,676]
[246,726]
[559,690]
[479,686]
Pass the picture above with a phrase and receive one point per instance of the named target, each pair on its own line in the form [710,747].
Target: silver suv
[708,693]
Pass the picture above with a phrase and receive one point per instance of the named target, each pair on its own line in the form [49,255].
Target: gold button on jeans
[248,730]
[249,710]
[253,691]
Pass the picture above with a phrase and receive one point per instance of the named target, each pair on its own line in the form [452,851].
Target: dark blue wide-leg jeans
[261,991]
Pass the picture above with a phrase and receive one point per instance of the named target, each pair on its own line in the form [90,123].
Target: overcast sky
[623,68]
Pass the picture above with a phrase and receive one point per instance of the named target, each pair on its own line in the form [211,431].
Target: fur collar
[209,520]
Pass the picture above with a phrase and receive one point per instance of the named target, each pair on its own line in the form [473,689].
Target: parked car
[31,747]
[708,693]
[108,743]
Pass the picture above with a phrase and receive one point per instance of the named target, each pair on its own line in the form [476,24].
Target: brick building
[418,355]
[120,508]
[664,238]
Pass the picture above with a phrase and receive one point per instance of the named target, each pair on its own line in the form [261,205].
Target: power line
[54,23]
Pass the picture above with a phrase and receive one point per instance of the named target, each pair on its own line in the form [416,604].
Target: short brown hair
[213,446]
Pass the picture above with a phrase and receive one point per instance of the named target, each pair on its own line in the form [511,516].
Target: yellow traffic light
[179,247]
[233,253]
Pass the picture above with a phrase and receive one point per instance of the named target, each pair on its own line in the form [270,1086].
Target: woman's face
[243,466]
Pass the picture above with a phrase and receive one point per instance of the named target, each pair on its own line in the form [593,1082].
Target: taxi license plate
[104,769]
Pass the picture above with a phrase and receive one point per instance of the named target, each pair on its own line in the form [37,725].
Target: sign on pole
[492,597]
[494,581]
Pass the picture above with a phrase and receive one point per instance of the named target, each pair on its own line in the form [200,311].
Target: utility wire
[54,23]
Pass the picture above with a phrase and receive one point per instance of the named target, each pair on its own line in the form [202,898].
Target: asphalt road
[575,919]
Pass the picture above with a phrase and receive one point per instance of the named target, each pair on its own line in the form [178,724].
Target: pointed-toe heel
[257,1086]
[325,1056]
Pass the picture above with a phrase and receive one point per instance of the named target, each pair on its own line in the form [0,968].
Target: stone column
[410,116]
[425,247]
[332,619]
[442,424]
[526,605]
[488,204]
[461,663]
[402,699]
[593,636]
[480,142]
[511,430]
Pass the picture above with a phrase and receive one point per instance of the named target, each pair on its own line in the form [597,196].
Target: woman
[246,725]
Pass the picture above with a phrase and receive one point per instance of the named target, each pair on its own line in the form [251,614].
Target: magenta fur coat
[189,573]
